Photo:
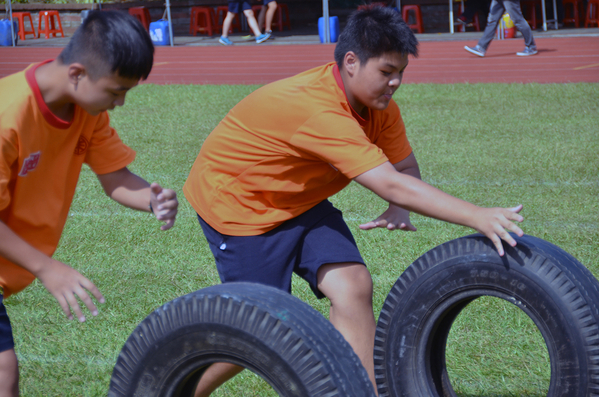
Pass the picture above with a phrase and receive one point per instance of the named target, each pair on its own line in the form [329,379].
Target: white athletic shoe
[478,50]
[528,51]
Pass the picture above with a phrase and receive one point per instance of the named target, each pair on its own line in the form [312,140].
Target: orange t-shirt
[40,161]
[286,147]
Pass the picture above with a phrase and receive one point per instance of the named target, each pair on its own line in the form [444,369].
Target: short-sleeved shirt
[285,148]
[40,161]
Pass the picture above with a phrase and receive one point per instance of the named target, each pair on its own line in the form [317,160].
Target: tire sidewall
[426,298]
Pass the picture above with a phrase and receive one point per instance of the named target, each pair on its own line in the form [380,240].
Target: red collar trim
[339,81]
[50,117]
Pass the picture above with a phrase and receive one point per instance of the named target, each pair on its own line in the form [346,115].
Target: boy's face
[373,83]
[105,93]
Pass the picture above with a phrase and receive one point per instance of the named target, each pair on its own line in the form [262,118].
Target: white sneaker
[528,51]
[478,50]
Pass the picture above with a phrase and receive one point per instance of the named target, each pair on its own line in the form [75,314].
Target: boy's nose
[120,101]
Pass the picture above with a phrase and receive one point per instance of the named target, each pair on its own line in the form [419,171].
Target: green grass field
[491,144]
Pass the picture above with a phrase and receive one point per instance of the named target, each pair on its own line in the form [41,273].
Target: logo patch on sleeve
[30,163]
[81,147]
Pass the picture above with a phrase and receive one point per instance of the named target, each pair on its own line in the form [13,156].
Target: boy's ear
[350,62]
[76,72]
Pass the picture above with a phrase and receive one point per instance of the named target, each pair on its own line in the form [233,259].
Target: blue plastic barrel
[159,32]
[333,28]
[6,34]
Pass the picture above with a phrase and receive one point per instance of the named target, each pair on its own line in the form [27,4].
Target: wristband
[151,209]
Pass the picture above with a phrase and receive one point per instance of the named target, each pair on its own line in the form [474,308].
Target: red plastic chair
[592,13]
[49,27]
[281,17]
[405,13]
[142,14]
[202,20]
[571,14]
[529,11]
[20,16]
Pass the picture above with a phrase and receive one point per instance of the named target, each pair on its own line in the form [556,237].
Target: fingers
[167,204]
[74,304]
[70,305]
[170,223]
[382,223]
[66,285]
[64,305]
[71,299]
[497,242]
[368,226]
[407,227]
[503,223]
[155,188]
[517,208]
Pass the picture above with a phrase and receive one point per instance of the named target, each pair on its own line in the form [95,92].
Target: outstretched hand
[66,284]
[393,218]
[496,223]
[165,204]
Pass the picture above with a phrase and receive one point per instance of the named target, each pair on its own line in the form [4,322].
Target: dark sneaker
[225,41]
[478,50]
[531,50]
[262,38]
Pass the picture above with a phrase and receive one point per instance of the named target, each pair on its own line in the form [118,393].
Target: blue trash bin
[333,28]
[159,32]
[6,34]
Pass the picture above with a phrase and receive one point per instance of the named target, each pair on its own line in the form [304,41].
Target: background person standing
[498,7]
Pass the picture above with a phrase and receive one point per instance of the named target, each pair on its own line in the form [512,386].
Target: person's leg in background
[267,14]
[233,10]
[495,13]
[253,23]
[513,8]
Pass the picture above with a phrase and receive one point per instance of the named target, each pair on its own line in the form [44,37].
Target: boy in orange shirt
[52,120]
[261,181]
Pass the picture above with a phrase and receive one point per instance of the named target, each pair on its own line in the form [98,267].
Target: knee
[351,286]
[249,13]
[272,5]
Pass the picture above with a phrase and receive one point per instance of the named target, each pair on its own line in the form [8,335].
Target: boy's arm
[61,280]
[412,194]
[130,190]
[396,217]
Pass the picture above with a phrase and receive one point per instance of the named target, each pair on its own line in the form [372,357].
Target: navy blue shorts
[237,6]
[265,2]
[6,340]
[302,245]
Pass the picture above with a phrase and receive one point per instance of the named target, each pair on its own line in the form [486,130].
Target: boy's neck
[52,80]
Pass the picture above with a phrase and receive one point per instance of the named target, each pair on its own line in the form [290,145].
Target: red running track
[560,60]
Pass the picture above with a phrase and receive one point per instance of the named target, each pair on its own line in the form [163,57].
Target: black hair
[374,31]
[108,42]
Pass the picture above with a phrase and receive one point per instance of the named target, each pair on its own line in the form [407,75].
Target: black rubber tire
[282,339]
[555,290]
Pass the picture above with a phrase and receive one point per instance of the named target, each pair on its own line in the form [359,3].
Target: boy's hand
[165,204]
[394,218]
[493,222]
[66,283]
